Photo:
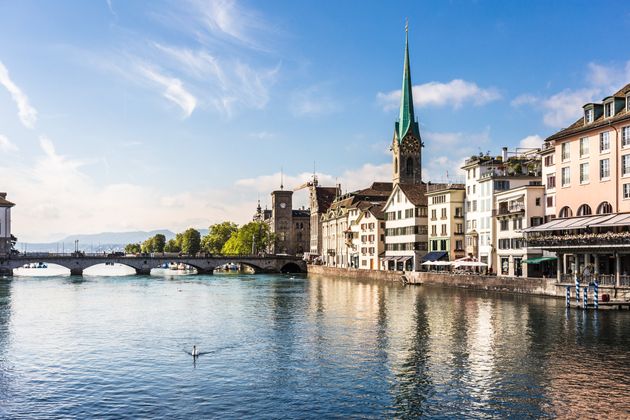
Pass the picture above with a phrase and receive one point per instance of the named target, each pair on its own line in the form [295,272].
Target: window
[459,212]
[444,212]
[549,160]
[584,173]
[588,116]
[609,109]
[459,228]
[626,190]
[538,201]
[584,210]
[550,201]
[584,146]
[566,151]
[604,169]
[501,185]
[536,221]
[625,136]
[628,103]
[565,212]
[505,266]
[625,165]
[604,208]
[566,176]
[474,205]
[434,230]
[459,245]
[443,233]
[604,142]
[517,223]
[474,189]
[504,225]
[551,181]
[433,214]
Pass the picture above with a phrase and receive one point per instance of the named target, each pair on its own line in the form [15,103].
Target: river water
[276,346]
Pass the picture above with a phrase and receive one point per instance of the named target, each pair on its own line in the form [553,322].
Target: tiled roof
[325,196]
[602,121]
[415,193]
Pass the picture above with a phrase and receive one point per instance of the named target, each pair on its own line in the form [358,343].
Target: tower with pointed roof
[406,145]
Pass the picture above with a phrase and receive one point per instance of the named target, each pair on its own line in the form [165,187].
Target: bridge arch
[291,267]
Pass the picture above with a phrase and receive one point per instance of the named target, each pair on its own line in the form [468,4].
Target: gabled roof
[415,193]
[5,203]
[601,121]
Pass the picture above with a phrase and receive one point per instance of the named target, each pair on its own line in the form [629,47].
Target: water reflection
[302,347]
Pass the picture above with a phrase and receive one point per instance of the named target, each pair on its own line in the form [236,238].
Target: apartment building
[446,221]
[485,177]
[515,210]
[368,235]
[592,228]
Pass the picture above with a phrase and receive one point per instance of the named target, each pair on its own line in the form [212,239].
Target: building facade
[591,234]
[5,225]
[515,210]
[367,234]
[486,176]
[406,239]
[291,227]
[446,221]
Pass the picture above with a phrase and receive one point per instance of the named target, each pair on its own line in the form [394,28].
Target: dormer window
[628,103]
[588,116]
[609,109]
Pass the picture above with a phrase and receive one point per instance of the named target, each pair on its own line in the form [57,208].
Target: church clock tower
[407,144]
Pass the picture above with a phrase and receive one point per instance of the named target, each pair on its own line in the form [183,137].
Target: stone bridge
[144,264]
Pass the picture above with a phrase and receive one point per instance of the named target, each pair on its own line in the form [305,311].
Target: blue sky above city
[119,115]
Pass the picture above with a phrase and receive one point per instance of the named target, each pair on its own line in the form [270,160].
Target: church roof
[406,119]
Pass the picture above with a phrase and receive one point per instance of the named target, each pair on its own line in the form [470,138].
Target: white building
[368,236]
[405,227]
[547,155]
[5,224]
[485,176]
[517,209]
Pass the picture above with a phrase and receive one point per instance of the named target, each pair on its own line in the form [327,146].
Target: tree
[132,249]
[172,246]
[159,242]
[218,235]
[191,241]
[253,237]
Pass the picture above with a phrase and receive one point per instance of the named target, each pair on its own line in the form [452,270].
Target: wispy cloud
[6,146]
[26,113]
[173,89]
[455,94]
[563,108]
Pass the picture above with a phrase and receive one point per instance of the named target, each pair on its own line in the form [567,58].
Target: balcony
[508,210]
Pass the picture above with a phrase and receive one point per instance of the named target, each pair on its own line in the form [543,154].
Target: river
[280,346]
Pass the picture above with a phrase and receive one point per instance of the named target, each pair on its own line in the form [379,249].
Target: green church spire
[406,119]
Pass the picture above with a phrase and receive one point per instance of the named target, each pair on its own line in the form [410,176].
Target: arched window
[565,212]
[409,166]
[604,208]
[584,210]
[395,165]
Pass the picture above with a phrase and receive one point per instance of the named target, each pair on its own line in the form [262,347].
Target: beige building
[515,210]
[591,234]
[291,227]
[446,221]
[368,235]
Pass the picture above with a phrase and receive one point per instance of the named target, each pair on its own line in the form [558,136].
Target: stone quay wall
[520,285]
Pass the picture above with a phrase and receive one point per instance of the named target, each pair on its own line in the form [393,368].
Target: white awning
[620,219]
[570,223]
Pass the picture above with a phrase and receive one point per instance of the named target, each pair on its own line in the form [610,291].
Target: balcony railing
[516,208]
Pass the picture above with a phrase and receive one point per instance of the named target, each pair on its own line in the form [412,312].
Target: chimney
[504,154]
[3,195]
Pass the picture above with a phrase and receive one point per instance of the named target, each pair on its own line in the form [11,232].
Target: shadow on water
[5,319]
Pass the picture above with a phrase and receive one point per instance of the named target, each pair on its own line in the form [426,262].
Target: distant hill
[97,242]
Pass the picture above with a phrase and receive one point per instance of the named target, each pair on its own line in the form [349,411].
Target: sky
[119,115]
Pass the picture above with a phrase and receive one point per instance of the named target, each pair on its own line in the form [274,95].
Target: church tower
[407,144]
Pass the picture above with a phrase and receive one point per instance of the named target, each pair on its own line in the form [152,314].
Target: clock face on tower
[410,145]
[283,205]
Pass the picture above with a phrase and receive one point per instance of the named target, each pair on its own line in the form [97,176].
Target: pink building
[592,193]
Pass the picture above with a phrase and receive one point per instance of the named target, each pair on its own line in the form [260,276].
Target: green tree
[132,249]
[147,246]
[218,235]
[254,236]
[172,246]
[159,242]
[191,241]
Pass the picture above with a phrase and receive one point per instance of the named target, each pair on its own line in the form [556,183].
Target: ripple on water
[279,347]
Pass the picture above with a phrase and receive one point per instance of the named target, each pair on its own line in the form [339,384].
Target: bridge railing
[104,255]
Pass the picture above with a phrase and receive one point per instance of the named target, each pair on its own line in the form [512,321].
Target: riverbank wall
[520,285]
